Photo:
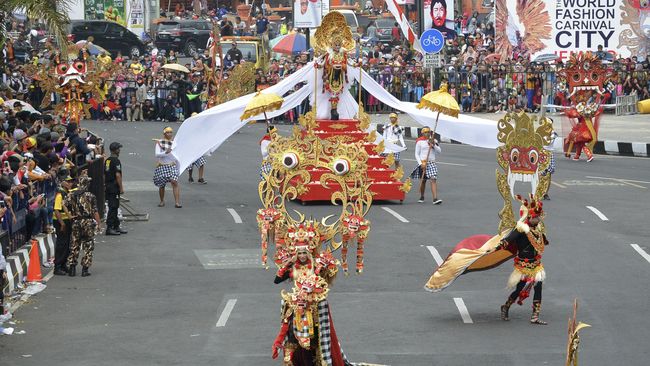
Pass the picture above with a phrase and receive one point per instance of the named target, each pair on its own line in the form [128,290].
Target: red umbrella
[291,44]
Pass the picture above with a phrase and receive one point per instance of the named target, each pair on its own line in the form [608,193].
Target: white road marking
[460,304]
[641,251]
[598,213]
[435,254]
[624,181]
[439,162]
[225,314]
[235,215]
[398,216]
[558,184]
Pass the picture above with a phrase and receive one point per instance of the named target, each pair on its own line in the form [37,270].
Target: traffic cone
[34,268]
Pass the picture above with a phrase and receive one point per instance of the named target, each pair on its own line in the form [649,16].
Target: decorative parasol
[262,103]
[440,101]
[92,48]
[291,44]
[176,67]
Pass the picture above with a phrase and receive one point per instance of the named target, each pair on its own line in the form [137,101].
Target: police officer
[114,188]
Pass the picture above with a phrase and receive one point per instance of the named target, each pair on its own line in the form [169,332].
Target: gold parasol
[176,67]
[440,101]
[262,103]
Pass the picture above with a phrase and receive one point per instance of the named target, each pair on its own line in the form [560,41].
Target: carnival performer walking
[426,149]
[265,166]
[200,164]
[167,170]
[395,135]
[527,241]
[82,206]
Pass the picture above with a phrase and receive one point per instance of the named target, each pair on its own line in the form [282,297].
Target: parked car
[111,36]
[187,36]
[351,19]
[384,29]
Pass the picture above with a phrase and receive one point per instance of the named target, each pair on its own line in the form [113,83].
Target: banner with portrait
[561,27]
[136,14]
[113,10]
[307,13]
[439,14]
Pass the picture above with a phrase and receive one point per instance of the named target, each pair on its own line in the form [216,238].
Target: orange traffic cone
[34,268]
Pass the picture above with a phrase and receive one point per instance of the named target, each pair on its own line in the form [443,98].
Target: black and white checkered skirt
[198,163]
[431,171]
[551,166]
[395,155]
[265,168]
[165,174]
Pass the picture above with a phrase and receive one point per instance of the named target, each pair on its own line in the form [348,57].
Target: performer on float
[265,166]
[527,241]
[426,149]
[335,74]
[167,169]
[395,135]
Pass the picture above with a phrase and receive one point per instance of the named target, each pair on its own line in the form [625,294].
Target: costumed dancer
[551,166]
[166,170]
[265,167]
[395,135]
[583,132]
[527,241]
[335,75]
[426,149]
[200,164]
[307,333]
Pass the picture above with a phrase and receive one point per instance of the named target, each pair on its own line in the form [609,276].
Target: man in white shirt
[395,135]
[167,170]
[426,149]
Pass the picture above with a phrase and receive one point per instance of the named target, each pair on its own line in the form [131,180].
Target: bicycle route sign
[432,41]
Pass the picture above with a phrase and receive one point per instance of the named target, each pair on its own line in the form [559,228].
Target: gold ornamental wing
[333,29]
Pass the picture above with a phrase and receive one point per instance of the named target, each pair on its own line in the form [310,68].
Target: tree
[52,13]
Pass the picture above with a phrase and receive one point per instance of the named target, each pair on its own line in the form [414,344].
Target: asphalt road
[155,297]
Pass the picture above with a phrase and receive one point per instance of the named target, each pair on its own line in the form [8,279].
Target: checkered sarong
[431,171]
[165,174]
[265,169]
[551,166]
[199,162]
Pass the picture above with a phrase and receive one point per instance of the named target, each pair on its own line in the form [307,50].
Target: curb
[18,262]
[607,147]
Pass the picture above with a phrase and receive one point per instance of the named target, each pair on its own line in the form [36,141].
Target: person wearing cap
[395,135]
[234,53]
[82,206]
[62,224]
[167,170]
[113,189]
[426,149]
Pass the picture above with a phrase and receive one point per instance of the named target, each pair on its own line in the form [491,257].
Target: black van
[109,35]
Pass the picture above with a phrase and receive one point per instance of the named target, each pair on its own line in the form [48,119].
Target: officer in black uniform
[113,183]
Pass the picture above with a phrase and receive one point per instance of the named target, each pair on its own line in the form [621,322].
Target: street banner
[439,14]
[532,28]
[307,13]
[404,24]
[112,10]
[136,14]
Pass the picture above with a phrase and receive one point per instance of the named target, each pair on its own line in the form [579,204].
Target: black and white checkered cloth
[551,166]
[265,169]
[165,174]
[324,336]
[199,162]
[431,171]
[395,155]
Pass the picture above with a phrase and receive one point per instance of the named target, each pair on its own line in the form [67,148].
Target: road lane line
[624,181]
[235,215]
[641,251]
[598,213]
[435,254]
[398,216]
[225,314]
[439,162]
[558,184]
[460,304]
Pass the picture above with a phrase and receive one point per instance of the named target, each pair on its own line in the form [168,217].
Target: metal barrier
[627,104]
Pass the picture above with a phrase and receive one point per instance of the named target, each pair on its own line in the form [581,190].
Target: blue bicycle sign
[432,41]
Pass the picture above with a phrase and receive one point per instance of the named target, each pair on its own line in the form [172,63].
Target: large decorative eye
[514,155]
[533,156]
[80,67]
[61,69]
[576,77]
[594,76]
[290,160]
[341,166]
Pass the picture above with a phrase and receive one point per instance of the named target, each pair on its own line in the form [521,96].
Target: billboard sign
[307,13]
[439,14]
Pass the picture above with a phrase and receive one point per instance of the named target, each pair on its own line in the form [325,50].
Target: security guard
[62,224]
[113,190]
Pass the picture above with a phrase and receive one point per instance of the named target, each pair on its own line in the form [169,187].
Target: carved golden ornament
[398,174]
[364,119]
[574,337]
[380,148]
[389,160]
[406,186]
[308,121]
[522,158]
[372,136]
[336,139]
[241,81]
[338,126]
[333,30]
